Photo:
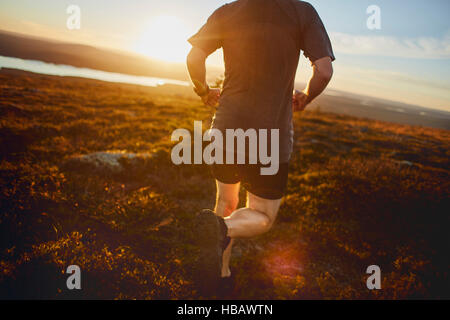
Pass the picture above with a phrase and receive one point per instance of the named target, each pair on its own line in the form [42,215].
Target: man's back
[262,40]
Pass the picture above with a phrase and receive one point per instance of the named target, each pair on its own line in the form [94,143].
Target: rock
[11,110]
[364,129]
[109,161]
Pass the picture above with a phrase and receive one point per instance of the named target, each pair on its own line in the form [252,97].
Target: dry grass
[360,192]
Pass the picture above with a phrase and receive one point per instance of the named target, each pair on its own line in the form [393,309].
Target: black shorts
[266,187]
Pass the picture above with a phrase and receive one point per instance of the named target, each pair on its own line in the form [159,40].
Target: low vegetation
[360,192]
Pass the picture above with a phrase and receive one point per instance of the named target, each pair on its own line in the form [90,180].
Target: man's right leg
[259,214]
[257,218]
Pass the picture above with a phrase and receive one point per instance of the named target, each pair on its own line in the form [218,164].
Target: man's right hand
[212,97]
[300,101]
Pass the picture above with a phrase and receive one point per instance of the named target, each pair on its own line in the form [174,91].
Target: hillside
[360,192]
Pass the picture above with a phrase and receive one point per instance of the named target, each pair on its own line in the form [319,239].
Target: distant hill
[383,110]
[87,178]
[33,48]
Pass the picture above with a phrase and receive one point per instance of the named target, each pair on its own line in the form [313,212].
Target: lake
[71,71]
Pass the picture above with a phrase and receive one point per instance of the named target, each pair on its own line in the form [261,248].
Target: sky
[407,60]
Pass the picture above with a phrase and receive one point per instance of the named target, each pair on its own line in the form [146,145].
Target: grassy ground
[360,192]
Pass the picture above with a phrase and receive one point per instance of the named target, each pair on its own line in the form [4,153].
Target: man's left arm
[196,63]
[207,40]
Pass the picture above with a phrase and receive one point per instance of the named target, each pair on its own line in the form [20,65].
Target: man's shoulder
[302,5]
[223,10]
[305,11]
[229,6]
[236,3]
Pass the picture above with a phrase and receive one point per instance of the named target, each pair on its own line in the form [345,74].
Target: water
[70,71]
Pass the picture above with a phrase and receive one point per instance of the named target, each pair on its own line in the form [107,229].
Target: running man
[261,41]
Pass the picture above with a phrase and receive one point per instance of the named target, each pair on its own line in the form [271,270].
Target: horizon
[406,61]
[116,77]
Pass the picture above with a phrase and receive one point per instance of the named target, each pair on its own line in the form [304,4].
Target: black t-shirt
[262,41]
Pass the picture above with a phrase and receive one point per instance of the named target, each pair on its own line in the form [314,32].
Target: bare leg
[226,202]
[257,218]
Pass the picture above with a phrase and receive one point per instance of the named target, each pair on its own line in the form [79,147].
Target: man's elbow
[195,56]
[325,74]
[190,58]
[323,69]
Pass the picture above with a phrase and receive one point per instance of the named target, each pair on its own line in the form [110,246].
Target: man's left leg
[226,203]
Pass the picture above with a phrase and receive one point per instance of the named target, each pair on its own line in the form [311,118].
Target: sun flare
[165,38]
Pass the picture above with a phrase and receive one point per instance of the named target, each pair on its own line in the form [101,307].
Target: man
[261,41]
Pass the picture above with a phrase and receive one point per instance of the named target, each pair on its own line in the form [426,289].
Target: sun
[164,37]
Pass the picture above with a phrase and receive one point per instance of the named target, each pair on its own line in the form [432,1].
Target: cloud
[83,36]
[392,85]
[389,46]
[398,76]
